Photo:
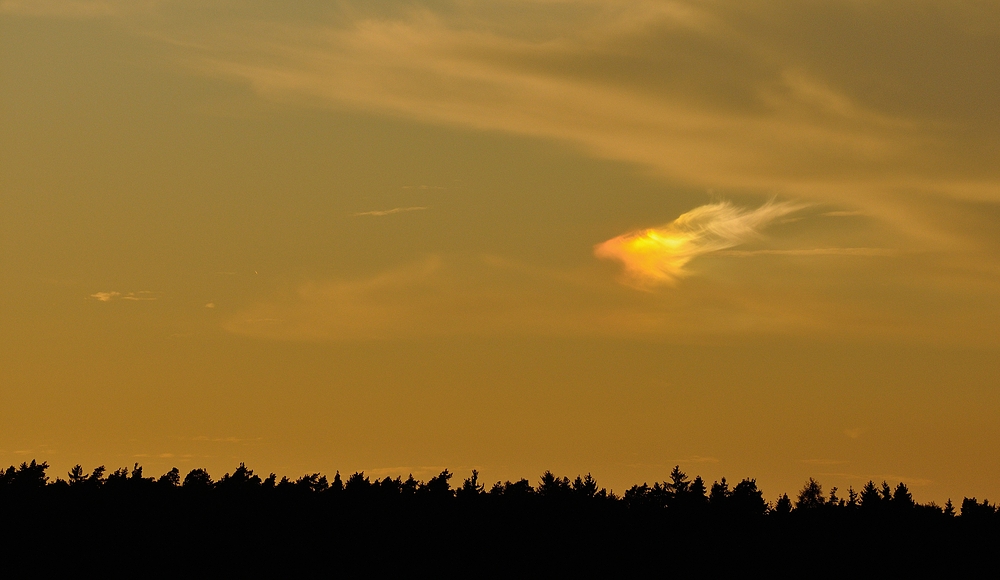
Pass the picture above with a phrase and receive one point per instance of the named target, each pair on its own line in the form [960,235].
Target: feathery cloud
[657,256]
[748,97]
[725,95]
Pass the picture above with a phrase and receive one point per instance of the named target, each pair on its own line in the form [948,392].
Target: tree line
[678,494]
[315,524]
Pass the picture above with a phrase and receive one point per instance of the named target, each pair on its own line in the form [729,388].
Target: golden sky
[750,238]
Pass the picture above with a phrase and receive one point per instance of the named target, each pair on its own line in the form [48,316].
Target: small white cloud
[105,296]
[210,305]
[141,296]
[390,211]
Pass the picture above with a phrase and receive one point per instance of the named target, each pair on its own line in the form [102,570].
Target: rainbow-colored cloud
[658,256]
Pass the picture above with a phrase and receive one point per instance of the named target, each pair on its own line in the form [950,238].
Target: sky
[753,239]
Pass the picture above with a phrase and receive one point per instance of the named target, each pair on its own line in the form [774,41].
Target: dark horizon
[696,493]
[321,525]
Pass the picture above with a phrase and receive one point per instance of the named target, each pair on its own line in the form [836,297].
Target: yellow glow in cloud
[659,255]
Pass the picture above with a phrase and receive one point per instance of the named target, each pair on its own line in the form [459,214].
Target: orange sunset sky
[752,238]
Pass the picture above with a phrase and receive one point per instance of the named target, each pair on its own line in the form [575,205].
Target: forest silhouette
[316,523]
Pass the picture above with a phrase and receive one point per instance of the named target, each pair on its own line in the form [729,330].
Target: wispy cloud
[657,256]
[461,295]
[812,252]
[142,296]
[748,97]
[105,296]
[390,211]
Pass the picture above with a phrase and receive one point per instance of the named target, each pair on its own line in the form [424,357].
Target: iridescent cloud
[656,256]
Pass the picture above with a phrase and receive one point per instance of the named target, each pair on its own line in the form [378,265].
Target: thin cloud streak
[887,252]
[659,256]
[394,210]
[142,296]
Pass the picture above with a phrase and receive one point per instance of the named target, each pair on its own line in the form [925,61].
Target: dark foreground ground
[242,524]
[238,538]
